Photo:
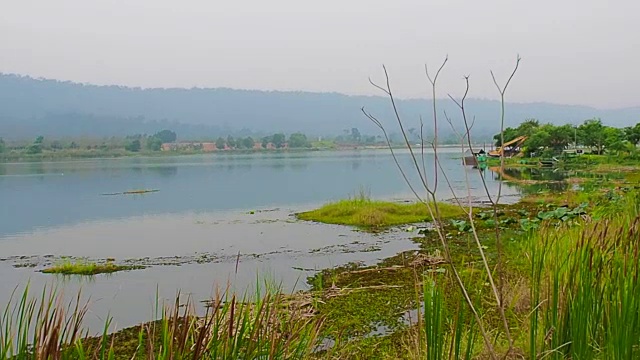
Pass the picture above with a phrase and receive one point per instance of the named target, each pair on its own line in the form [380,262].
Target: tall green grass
[583,292]
[40,328]
[586,288]
[260,326]
[447,334]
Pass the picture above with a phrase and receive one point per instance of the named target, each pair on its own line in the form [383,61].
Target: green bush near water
[370,214]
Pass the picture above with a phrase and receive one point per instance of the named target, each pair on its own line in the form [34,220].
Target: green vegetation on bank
[594,162]
[166,142]
[592,135]
[370,214]
[83,267]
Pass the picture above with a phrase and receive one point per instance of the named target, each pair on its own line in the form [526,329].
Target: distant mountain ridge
[30,107]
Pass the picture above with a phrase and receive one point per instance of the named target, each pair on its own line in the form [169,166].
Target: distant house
[272,146]
[202,146]
[209,146]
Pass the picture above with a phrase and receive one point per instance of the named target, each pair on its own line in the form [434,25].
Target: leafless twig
[431,200]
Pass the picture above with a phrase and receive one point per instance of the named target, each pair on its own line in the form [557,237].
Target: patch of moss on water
[87,268]
[374,215]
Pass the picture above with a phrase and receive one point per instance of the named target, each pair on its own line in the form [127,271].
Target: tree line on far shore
[151,143]
[541,140]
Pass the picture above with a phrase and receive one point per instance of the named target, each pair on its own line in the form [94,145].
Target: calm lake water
[216,219]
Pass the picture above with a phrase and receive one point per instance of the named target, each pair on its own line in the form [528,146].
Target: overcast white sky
[575,52]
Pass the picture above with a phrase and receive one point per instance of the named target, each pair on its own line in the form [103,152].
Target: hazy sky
[576,52]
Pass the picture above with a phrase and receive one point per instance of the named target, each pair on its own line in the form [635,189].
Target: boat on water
[474,157]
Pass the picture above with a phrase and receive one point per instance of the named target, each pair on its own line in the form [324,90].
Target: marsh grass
[88,268]
[447,334]
[370,214]
[40,328]
[262,325]
[587,286]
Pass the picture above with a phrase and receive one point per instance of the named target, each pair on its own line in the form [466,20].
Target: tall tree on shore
[36,147]
[632,134]
[590,133]
[166,136]
[265,141]
[355,135]
[298,140]
[278,140]
[220,143]
[133,145]
[560,136]
[154,143]
[535,142]
[248,142]
[231,142]
[614,139]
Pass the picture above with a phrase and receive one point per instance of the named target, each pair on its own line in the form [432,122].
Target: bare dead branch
[424,166]
[431,200]
[435,117]
[402,130]
[497,289]
[393,154]
[502,91]
[378,86]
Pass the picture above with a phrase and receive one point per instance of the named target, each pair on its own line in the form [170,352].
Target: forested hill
[30,107]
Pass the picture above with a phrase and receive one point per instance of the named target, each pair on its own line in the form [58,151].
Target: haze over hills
[31,107]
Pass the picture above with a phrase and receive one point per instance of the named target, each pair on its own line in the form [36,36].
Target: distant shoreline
[10,158]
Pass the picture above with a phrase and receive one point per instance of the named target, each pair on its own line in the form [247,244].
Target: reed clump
[586,287]
[582,294]
[250,327]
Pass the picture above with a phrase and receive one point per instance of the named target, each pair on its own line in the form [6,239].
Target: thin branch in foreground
[393,154]
[435,116]
[431,203]
[389,92]
[502,90]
